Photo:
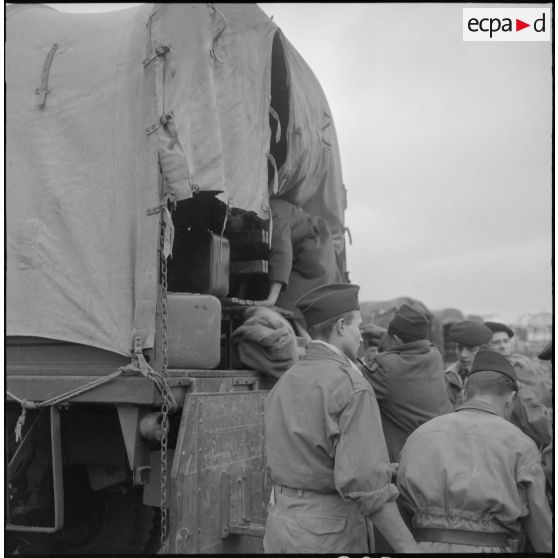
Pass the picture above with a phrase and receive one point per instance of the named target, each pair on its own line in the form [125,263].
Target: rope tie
[273,113]
[212,51]
[130,369]
[275,187]
[43,90]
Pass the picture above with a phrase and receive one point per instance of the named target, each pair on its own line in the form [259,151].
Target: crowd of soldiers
[375,447]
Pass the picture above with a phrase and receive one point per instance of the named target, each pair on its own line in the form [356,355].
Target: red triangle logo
[519,25]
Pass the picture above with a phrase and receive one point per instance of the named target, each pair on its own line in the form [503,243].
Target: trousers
[301,522]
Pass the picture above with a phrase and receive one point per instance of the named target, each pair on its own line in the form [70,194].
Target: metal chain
[165,403]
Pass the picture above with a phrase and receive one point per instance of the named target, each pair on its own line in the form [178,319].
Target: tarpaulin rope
[273,113]
[219,33]
[132,368]
[168,235]
[275,187]
[26,404]
[139,364]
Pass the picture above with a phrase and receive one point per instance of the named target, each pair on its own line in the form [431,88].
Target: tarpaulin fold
[161,99]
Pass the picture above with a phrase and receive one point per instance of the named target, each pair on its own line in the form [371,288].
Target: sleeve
[378,380]
[281,256]
[532,417]
[538,522]
[362,470]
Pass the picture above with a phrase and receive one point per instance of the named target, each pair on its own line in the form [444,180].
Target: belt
[455,536]
[299,492]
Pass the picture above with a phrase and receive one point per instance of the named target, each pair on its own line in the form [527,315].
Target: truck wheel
[118,523]
[104,522]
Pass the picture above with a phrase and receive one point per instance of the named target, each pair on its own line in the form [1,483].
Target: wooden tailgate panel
[218,484]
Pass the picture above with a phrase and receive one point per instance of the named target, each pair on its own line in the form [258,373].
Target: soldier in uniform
[325,446]
[547,355]
[302,254]
[533,413]
[469,337]
[525,369]
[533,418]
[408,379]
[472,481]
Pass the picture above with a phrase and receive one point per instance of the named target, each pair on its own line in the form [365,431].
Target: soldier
[372,336]
[532,412]
[302,254]
[469,336]
[472,481]
[525,369]
[533,418]
[408,379]
[547,355]
[325,446]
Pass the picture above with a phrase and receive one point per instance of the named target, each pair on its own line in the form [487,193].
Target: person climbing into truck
[302,254]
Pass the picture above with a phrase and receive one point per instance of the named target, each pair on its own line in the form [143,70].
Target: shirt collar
[338,352]
[477,405]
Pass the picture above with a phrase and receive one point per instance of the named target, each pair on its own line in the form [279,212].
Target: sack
[266,342]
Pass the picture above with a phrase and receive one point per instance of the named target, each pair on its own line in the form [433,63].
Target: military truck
[142,148]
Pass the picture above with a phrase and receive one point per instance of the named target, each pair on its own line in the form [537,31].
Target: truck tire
[113,521]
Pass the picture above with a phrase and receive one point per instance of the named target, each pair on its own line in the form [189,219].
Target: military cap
[372,334]
[328,301]
[487,360]
[496,327]
[409,321]
[548,352]
[470,334]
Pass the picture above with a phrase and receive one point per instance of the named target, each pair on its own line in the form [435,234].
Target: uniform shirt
[455,384]
[473,470]
[323,431]
[409,386]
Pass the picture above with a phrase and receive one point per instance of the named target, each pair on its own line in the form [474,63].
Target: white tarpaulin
[107,113]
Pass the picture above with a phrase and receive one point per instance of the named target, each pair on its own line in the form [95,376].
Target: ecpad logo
[506,24]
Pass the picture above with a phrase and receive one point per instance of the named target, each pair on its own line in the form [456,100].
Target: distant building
[539,331]
[532,332]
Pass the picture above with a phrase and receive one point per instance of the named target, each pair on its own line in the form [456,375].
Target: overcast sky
[446,148]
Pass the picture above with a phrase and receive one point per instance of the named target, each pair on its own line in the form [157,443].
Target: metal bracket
[142,475]
[159,51]
[138,359]
[243,525]
[163,121]
[250,383]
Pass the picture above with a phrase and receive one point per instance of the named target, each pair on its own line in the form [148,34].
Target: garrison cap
[328,301]
[487,360]
[372,334]
[470,334]
[409,321]
[496,327]
[548,352]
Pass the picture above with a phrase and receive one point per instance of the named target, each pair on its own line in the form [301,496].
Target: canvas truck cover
[106,114]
